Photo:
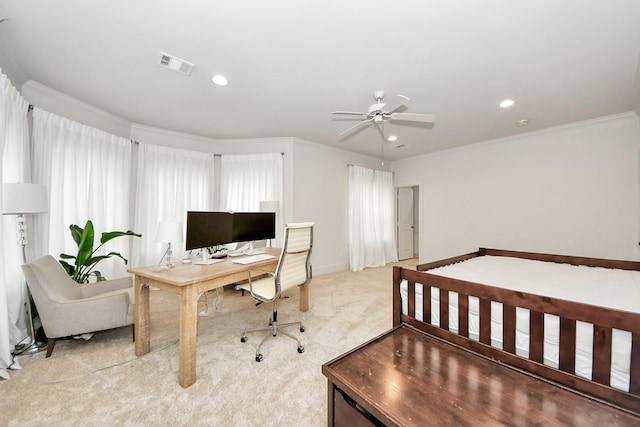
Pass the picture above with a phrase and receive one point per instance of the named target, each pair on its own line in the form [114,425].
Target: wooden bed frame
[422,374]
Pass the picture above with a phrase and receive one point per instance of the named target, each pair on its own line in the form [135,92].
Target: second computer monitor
[250,226]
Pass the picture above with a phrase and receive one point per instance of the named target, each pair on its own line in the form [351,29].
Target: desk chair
[294,269]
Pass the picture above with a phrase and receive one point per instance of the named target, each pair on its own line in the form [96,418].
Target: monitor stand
[252,251]
[205,260]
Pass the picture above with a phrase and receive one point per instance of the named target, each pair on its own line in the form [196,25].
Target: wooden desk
[189,281]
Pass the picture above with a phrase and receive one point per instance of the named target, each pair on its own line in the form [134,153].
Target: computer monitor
[205,229]
[250,226]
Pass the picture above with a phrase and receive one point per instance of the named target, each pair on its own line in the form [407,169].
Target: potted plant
[86,259]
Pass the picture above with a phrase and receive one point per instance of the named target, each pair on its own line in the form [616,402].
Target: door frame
[417,219]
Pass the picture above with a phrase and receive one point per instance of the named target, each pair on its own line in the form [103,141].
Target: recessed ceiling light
[392,138]
[507,103]
[219,80]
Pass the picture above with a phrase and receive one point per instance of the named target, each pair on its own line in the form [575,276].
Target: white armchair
[67,308]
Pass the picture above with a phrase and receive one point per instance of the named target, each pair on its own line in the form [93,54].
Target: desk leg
[304,298]
[188,332]
[141,317]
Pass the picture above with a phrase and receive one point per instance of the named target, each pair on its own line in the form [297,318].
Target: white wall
[569,190]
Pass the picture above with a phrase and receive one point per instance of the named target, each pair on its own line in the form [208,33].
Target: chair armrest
[261,272]
[97,288]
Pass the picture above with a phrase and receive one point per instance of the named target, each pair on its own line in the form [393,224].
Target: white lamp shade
[169,232]
[20,198]
[270,206]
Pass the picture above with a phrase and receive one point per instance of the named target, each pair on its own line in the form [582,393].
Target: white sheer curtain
[170,182]
[14,139]
[372,241]
[88,173]
[248,179]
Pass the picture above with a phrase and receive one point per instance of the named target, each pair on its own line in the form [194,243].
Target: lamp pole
[20,199]
[34,346]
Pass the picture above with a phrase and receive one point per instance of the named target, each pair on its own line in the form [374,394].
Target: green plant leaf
[113,234]
[70,269]
[76,233]
[85,246]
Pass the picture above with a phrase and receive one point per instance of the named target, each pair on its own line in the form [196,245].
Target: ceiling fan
[380,112]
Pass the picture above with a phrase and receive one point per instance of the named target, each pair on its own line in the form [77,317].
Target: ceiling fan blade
[355,126]
[395,103]
[352,113]
[414,117]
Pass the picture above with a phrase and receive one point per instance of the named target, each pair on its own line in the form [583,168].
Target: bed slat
[602,358]
[567,356]
[411,303]
[463,315]
[444,309]
[485,321]
[509,328]
[536,335]
[634,386]
[426,303]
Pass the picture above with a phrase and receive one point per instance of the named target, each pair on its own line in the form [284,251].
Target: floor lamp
[20,199]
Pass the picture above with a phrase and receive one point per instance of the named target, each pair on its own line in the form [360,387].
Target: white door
[405,223]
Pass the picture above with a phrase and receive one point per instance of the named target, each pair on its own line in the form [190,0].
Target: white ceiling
[290,63]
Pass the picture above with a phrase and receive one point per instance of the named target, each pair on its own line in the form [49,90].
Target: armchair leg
[51,342]
[133,332]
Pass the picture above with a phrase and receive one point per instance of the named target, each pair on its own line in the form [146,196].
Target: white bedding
[618,289]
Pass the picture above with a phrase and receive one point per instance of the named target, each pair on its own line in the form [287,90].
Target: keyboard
[253,258]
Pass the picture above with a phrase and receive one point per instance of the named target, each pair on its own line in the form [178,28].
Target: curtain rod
[220,155]
[350,164]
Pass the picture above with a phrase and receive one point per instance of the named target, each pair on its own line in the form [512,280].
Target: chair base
[51,342]
[273,329]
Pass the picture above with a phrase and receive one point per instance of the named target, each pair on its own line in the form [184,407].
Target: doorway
[407,221]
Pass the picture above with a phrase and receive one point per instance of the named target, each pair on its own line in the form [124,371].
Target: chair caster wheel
[300,349]
[301,328]
[258,357]
[243,338]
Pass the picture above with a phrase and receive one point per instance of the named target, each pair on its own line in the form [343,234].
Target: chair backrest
[294,266]
[48,281]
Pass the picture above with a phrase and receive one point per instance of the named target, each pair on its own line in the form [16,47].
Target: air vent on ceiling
[175,64]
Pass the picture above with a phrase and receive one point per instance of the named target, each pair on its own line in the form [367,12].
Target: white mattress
[618,289]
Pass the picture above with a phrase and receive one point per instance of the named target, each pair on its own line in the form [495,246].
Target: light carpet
[101,382]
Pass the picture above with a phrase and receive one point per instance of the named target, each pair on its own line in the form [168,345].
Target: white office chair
[294,269]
